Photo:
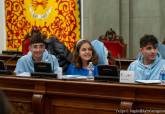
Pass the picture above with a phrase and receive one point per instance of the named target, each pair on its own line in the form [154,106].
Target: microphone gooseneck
[12,57]
[119,59]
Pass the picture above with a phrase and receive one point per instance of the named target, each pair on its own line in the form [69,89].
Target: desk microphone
[119,59]
[5,63]
[2,65]
[3,69]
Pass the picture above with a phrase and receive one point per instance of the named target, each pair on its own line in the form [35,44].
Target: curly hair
[76,58]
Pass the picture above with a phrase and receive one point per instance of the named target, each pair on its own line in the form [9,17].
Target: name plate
[127,76]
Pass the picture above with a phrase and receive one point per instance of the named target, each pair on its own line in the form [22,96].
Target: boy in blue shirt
[37,53]
[149,64]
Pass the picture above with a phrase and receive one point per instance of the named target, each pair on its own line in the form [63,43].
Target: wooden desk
[123,63]
[10,60]
[48,96]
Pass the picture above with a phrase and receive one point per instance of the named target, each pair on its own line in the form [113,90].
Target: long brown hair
[76,58]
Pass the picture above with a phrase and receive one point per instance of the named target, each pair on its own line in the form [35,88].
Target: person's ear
[141,50]
[30,48]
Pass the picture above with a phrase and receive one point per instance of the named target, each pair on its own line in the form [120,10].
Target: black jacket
[57,48]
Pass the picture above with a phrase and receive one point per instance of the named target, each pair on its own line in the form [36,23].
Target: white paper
[126,76]
[24,74]
[148,81]
[74,77]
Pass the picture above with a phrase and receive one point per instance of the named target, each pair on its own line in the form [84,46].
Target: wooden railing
[50,96]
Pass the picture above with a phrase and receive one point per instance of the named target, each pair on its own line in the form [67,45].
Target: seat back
[2,65]
[117,49]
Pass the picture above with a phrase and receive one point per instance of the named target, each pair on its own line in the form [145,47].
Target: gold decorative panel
[53,17]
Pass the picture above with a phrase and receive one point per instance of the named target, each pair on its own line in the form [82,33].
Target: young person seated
[82,55]
[37,53]
[26,41]
[149,64]
[101,51]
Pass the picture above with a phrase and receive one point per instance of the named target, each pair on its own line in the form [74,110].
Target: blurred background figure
[163,41]
[101,50]
[161,49]
[5,106]
[102,38]
[110,34]
[57,48]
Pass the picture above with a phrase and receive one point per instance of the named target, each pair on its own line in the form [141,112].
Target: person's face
[149,52]
[85,52]
[37,50]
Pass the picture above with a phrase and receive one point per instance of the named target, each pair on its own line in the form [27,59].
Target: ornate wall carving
[54,17]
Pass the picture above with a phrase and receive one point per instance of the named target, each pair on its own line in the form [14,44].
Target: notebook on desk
[43,70]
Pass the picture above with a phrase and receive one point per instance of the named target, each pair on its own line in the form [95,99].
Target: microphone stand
[16,55]
[119,60]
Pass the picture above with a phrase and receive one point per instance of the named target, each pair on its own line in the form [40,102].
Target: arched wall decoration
[55,17]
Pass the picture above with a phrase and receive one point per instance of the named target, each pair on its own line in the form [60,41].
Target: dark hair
[76,58]
[148,39]
[37,38]
[102,38]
